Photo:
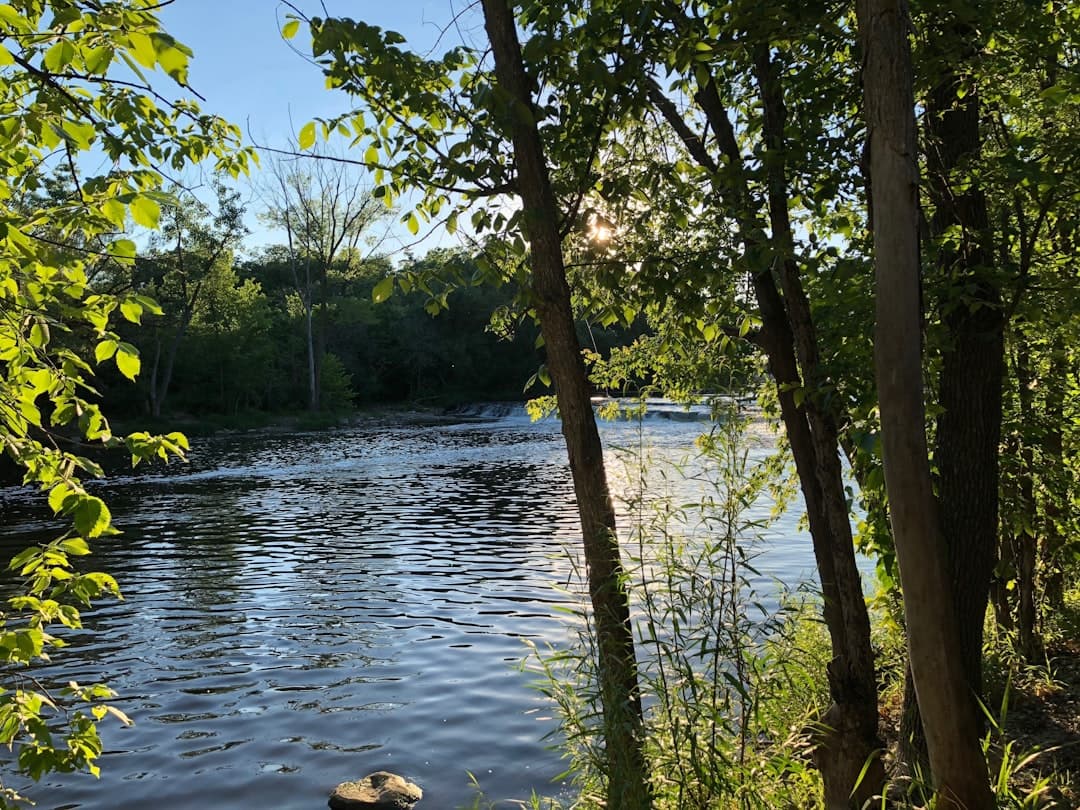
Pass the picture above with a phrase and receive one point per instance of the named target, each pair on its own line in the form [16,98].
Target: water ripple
[302,609]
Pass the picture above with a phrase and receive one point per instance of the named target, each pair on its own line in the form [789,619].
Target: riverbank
[283,421]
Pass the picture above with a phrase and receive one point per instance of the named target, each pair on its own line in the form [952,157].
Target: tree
[948,713]
[475,135]
[227,360]
[61,100]
[327,214]
[623,732]
[751,142]
[979,276]
[1029,172]
[192,245]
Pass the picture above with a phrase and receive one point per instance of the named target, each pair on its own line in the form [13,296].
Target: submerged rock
[381,790]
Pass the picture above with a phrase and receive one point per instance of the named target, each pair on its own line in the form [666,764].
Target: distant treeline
[241,343]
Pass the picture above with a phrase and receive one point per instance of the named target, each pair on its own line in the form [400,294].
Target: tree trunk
[628,784]
[1001,593]
[1024,539]
[940,679]
[321,333]
[972,364]
[164,380]
[847,747]
[848,754]
[313,382]
[155,406]
[1055,483]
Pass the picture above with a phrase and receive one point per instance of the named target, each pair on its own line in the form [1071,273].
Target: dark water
[304,609]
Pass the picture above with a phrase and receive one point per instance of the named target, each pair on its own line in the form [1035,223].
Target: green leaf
[306,140]
[80,133]
[91,516]
[132,310]
[59,56]
[98,60]
[413,224]
[23,558]
[114,211]
[127,360]
[142,48]
[145,212]
[57,495]
[288,31]
[149,304]
[122,249]
[39,335]
[172,59]
[104,350]
[40,380]
[75,546]
[383,290]
[9,16]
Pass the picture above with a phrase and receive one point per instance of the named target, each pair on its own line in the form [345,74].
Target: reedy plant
[728,678]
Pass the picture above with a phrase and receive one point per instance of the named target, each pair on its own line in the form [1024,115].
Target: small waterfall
[488,411]
[655,409]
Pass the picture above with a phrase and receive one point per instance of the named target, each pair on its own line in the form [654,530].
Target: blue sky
[249,75]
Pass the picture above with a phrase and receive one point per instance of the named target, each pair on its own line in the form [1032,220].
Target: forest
[865,215]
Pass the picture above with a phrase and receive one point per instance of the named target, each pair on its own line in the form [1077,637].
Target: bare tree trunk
[849,753]
[941,682]
[628,783]
[1056,491]
[1025,540]
[972,364]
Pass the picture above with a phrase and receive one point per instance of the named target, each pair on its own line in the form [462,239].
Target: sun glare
[601,232]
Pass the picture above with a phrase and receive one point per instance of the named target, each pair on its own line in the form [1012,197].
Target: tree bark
[628,784]
[1056,488]
[1024,539]
[155,406]
[940,678]
[847,747]
[968,430]
[164,380]
[849,752]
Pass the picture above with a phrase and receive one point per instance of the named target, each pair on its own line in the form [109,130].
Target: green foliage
[730,685]
[59,103]
[390,350]
[337,393]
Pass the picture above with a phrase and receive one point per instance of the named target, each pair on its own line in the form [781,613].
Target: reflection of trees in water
[383,575]
[316,549]
[518,497]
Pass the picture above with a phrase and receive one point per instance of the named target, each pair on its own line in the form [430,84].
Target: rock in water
[381,790]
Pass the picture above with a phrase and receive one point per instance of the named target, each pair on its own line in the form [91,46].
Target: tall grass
[730,669]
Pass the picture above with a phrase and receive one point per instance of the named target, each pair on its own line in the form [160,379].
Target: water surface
[303,609]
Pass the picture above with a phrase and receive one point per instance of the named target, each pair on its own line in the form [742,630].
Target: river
[302,609]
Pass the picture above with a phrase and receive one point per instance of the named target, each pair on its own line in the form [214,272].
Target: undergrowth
[732,666]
